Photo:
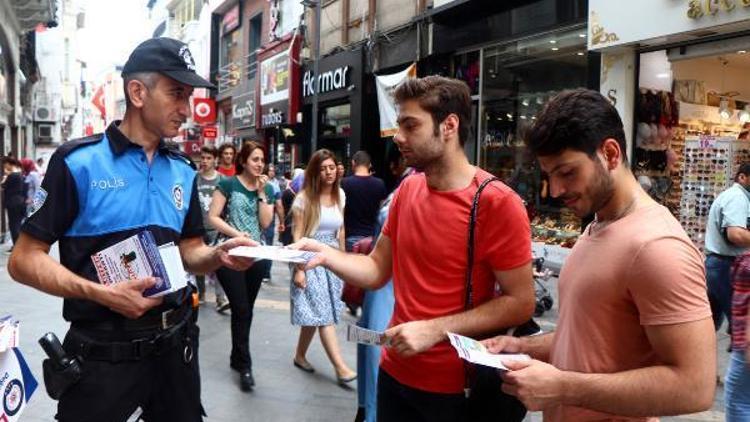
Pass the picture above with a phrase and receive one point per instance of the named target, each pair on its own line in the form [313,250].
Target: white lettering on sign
[272,119]
[239,111]
[328,81]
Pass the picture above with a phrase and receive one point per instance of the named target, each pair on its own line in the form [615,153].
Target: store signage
[700,8]
[274,79]
[192,147]
[210,132]
[327,81]
[204,111]
[231,19]
[274,118]
[649,21]
[243,110]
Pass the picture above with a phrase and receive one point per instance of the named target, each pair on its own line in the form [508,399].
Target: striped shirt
[740,300]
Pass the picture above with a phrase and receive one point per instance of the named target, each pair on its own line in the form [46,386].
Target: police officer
[139,355]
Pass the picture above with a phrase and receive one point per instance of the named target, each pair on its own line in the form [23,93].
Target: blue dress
[319,303]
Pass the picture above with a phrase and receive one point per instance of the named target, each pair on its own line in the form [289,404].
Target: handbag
[486,400]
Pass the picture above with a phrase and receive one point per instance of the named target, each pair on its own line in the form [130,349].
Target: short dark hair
[440,97]
[578,119]
[226,145]
[361,158]
[247,148]
[744,169]
[146,78]
[11,161]
[208,149]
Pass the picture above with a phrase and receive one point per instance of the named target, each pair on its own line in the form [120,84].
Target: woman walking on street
[245,200]
[14,196]
[318,212]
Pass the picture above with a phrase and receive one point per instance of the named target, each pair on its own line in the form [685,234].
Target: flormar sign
[327,81]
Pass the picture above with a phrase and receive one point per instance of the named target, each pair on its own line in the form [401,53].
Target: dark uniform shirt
[100,190]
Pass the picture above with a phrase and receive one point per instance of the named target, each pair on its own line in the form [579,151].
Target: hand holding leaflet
[473,351]
[273,253]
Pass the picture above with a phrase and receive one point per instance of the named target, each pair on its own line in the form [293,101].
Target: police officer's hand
[237,263]
[126,297]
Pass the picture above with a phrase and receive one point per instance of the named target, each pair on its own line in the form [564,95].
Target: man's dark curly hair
[577,119]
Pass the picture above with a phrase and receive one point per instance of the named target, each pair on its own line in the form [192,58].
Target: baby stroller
[544,299]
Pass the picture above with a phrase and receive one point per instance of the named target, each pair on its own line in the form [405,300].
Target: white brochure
[356,334]
[473,351]
[273,253]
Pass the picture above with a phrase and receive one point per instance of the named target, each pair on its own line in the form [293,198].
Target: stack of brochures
[139,257]
[8,333]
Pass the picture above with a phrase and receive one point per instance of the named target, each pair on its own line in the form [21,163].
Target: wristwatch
[262,199]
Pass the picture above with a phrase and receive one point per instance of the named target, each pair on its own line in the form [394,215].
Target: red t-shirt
[227,171]
[428,230]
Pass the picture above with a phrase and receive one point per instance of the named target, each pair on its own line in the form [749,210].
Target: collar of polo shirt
[120,143]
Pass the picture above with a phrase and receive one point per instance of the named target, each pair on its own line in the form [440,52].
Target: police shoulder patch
[40,197]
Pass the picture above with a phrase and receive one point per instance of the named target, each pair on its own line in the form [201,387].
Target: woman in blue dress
[318,212]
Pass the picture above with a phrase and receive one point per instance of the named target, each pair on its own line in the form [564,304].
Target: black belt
[723,257]
[134,350]
[157,322]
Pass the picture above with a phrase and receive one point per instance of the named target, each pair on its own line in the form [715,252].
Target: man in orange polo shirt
[635,338]
[423,245]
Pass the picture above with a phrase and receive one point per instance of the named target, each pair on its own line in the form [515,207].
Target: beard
[426,155]
[601,189]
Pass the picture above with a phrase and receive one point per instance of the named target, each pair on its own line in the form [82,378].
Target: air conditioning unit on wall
[45,114]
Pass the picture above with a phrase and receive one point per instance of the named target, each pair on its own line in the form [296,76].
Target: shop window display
[691,131]
[518,79]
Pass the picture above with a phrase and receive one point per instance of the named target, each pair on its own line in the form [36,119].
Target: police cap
[167,56]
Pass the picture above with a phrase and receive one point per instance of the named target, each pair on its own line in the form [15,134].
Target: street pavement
[283,392]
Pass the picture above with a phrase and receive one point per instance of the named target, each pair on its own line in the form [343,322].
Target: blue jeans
[268,235]
[377,310]
[719,284]
[737,388]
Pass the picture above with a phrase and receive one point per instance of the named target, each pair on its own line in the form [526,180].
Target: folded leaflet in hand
[139,257]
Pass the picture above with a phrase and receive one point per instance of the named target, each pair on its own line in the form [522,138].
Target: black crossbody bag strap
[469,299]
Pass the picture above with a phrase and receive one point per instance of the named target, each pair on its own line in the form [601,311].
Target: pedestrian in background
[206,183]
[33,181]
[340,169]
[269,234]
[14,197]
[318,213]
[364,193]
[227,153]
[246,200]
[727,236]
[737,381]
[377,310]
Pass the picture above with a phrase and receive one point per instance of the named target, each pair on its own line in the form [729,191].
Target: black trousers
[241,288]
[164,386]
[398,402]
[15,217]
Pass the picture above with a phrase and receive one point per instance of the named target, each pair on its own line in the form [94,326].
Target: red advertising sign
[192,147]
[98,101]
[210,132]
[204,111]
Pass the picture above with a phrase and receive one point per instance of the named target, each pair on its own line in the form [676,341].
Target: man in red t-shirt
[227,152]
[424,246]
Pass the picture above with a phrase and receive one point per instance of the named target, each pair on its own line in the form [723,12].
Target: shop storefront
[278,98]
[514,60]
[340,108]
[679,80]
